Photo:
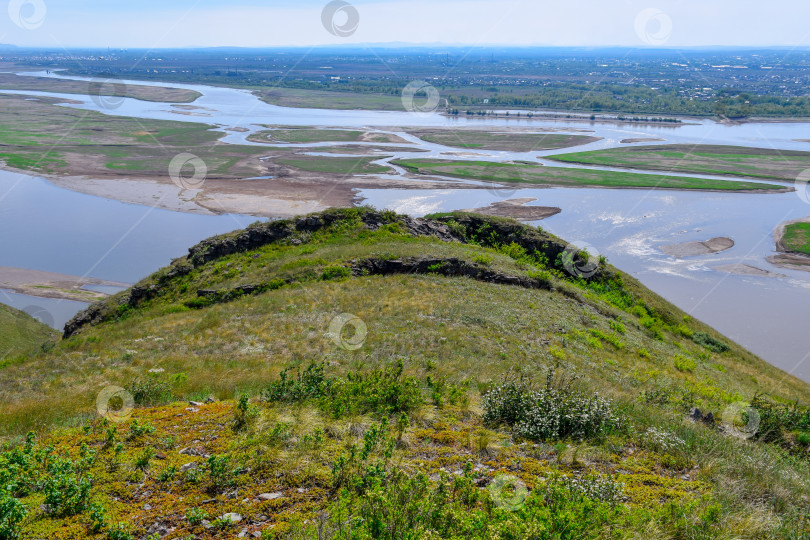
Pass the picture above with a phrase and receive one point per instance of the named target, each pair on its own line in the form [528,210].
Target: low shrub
[778,419]
[412,506]
[66,487]
[607,338]
[138,430]
[12,513]
[709,342]
[543,277]
[335,272]
[484,260]
[382,391]
[196,516]
[311,383]
[220,475]
[98,517]
[150,391]
[244,413]
[549,413]
[682,363]
[595,487]
[119,531]
[144,458]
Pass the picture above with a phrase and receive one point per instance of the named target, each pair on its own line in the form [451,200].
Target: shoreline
[711,246]
[563,116]
[652,168]
[518,209]
[785,258]
[54,285]
[290,193]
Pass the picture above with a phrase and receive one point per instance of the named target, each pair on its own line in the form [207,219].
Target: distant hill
[21,334]
[362,374]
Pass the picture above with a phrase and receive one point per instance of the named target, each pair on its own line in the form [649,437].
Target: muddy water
[53,229]
[765,314]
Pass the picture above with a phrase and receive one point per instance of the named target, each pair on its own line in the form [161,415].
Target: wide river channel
[53,229]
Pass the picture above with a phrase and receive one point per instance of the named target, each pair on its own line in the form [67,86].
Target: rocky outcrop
[486,231]
[261,234]
[451,267]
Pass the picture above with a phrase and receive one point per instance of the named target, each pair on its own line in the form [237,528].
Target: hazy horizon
[150,24]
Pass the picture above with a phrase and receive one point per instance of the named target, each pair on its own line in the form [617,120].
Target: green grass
[557,176]
[335,165]
[359,435]
[797,238]
[475,320]
[513,142]
[79,142]
[90,143]
[319,99]
[11,81]
[309,135]
[20,335]
[704,159]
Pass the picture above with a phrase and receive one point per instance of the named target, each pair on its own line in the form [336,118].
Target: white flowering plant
[595,486]
[550,413]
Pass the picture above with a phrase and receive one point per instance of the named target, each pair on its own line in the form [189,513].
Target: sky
[159,24]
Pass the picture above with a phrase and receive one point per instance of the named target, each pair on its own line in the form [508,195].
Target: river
[62,231]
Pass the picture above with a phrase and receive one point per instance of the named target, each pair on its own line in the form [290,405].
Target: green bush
[149,391]
[335,272]
[613,340]
[441,391]
[618,327]
[402,506]
[244,413]
[12,512]
[138,430]
[484,259]
[18,472]
[98,517]
[709,342]
[594,486]
[543,277]
[195,516]
[198,303]
[513,250]
[168,473]
[66,487]
[309,384]
[119,531]
[143,459]
[682,363]
[777,419]
[549,413]
[220,475]
[382,391]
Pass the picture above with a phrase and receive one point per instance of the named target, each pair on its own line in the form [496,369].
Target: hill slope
[441,383]
[21,334]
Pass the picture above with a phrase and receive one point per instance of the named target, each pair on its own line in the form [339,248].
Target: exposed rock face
[444,267]
[458,227]
[696,416]
[258,235]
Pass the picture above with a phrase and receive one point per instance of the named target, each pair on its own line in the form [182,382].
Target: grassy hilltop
[376,376]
